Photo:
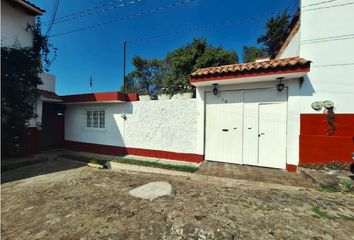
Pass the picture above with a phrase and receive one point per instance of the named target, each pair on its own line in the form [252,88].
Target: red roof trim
[254,73]
[100,97]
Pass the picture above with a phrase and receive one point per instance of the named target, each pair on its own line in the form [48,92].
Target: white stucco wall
[332,56]
[14,21]
[168,125]
[48,81]
[112,134]
[293,48]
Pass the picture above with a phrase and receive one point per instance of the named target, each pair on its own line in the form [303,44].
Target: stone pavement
[251,173]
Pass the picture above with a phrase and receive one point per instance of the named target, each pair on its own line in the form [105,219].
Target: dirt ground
[65,200]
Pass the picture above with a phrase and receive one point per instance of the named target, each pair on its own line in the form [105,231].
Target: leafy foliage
[21,67]
[198,54]
[275,30]
[172,73]
[147,76]
[250,53]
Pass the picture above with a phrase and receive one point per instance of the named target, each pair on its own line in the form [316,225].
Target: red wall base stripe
[291,168]
[322,149]
[121,151]
[33,141]
[316,147]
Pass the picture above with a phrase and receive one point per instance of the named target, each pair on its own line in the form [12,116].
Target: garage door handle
[225,130]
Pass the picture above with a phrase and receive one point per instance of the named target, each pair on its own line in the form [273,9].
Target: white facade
[326,38]
[164,125]
[14,21]
[48,82]
[293,48]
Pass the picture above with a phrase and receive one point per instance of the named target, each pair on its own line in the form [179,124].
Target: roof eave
[30,7]
[251,77]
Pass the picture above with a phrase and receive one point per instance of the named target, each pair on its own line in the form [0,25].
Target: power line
[90,9]
[195,29]
[55,10]
[143,13]
[95,10]
[315,4]
[333,65]
[328,39]
[338,5]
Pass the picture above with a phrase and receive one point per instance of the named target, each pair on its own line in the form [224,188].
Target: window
[95,118]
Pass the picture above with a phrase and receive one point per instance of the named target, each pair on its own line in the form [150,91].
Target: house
[292,109]
[16,15]
[284,129]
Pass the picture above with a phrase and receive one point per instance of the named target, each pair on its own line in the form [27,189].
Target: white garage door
[247,127]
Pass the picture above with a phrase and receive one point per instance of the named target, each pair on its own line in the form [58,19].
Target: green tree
[198,54]
[150,75]
[147,77]
[275,30]
[19,79]
[250,53]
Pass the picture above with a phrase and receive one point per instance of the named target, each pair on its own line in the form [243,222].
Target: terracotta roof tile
[248,67]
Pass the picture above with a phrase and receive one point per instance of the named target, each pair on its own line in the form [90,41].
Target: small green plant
[183,168]
[347,184]
[320,213]
[328,189]
[164,91]
[184,89]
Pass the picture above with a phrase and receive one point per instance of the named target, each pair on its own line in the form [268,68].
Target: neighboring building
[16,15]
[259,113]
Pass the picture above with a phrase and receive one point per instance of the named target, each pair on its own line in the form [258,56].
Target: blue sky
[98,51]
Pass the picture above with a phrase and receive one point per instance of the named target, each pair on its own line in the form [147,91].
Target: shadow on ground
[42,168]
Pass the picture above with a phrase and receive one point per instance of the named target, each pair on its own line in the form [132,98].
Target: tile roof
[49,95]
[275,64]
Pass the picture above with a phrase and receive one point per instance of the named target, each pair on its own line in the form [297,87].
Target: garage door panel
[272,135]
[224,127]
[250,130]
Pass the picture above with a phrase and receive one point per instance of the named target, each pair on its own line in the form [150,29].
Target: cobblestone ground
[86,203]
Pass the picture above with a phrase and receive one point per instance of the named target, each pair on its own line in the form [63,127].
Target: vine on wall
[21,67]
[331,118]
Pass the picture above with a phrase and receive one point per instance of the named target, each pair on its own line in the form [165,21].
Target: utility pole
[90,83]
[124,64]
